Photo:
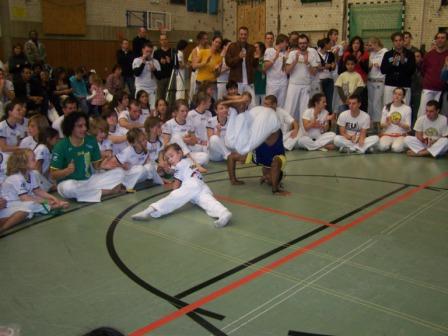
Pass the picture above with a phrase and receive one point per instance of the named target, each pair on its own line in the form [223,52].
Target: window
[199,6]
[177,2]
[213,7]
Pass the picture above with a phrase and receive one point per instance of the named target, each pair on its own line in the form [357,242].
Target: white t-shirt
[354,125]
[185,169]
[285,120]
[28,142]
[43,153]
[106,145]
[17,185]
[199,122]
[171,127]
[275,75]
[213,122]
[57,125]
[300,75]
[3,161]
[154,149]
[432,129]
[119,131]
[125,115]
[315,132]
[146,81]
[376,57]
[129,155]
[12,135]
[401,114]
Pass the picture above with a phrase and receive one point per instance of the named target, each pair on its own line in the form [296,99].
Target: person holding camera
[146,70]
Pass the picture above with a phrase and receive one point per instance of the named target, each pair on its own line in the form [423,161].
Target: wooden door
[253,16]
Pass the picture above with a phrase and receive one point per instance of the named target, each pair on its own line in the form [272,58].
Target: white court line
[391,229]
[338,263]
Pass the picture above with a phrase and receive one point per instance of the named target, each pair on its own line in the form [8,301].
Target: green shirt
[260,79]
[83,156]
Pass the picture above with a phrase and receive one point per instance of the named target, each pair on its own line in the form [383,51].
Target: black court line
[134,277]
[301,333]
[284,246]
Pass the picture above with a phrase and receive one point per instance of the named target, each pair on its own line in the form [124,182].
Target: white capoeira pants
[24,206]
[297,99]
[288,142]
[141,173]
[439,147]
[221,90]
[180,85]
[396,144]
[375,91]
[192,190]
[339,141]
[426,96]
[198,153]
[217,149]
[279,91]
[248,88]
[193,76]
[311,144]
[389,91]
[248,130]
[90,190]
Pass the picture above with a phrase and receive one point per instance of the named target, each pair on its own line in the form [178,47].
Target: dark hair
[225,42]
[323,42]
[351,58]
[361,44]
[315,99]
[17,45]
[173,146]
[261,46]
[231,84]
[200,97]
[181,45]
[394,35]
[388,105]
[332,31]
[107,112]
[104,331]
[47,134]
[271,98]
[134,102]
[10,106]
[281,38]
[140,93]
[303,36]
[434,103]
[268,33]
[25,66]
[243,28]
[151,122]
[69,100]
[115,67]
[180,102]
[200,35]
[355,96]
[441,32]
[147,44]
[133,135]
[407,33]
[69,122]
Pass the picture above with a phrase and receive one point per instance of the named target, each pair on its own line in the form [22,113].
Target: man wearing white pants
[353,125]
[274,66]
[375,80]
[72,161]
[431,68]
[301,66]
[431,133]
[398,65]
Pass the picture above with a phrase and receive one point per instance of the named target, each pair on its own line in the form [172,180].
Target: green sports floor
[358,248]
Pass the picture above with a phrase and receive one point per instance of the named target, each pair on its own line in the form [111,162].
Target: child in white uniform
[46,141]
[188,187]
[396,123]
[431,133]
[216,129]
[11,132]
[136,160]
[316,124]
[117,134]
[179,130]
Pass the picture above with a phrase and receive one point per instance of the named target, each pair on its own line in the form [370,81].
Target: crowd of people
[162,116]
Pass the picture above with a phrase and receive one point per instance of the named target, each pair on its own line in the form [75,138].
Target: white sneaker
[223,220]
[143,215]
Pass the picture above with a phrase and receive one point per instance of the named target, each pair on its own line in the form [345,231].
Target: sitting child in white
[216,129]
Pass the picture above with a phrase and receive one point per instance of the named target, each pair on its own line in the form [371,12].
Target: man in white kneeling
[431,133]
[353,125]
[289,126]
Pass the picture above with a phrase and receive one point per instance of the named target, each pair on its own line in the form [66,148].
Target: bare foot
[201,169]
[236,182]
[283,193]
[411,153]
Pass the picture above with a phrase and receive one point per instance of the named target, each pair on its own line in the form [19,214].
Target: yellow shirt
[207,72]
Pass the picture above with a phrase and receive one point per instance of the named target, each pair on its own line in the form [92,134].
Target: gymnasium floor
[359,248]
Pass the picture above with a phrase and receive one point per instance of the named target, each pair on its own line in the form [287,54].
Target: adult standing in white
[375,80]
[431,133]
[274,66]
[353,125]
[395,122]
[316,124]
[301,66]
[145,69]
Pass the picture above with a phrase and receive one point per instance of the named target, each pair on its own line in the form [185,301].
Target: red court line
[266,269]
[274,211]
